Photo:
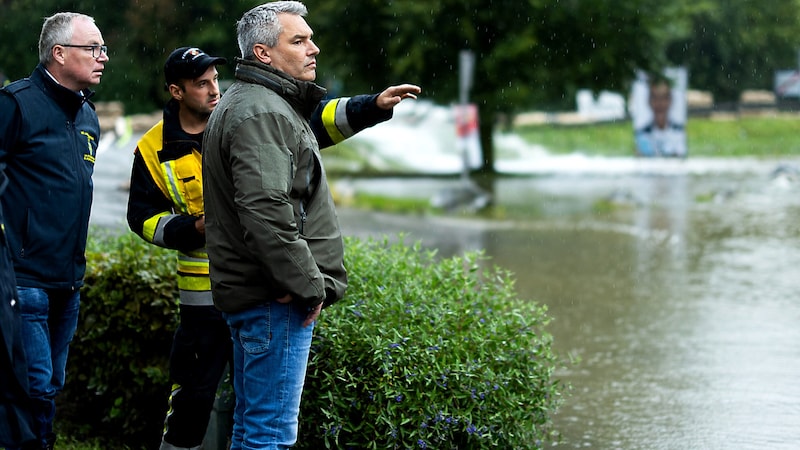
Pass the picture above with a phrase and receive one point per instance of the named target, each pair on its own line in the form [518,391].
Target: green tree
[22,22]
[730,46]
[534,52]
[139,33]
[153,28]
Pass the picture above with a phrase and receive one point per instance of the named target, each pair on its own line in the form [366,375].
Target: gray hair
[57,29]
[260,25]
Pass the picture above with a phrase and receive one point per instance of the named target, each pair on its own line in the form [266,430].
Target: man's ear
[262,53]
[58,54]
[176,92]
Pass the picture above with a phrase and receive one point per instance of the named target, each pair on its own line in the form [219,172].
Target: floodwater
[679,300]
[672,284]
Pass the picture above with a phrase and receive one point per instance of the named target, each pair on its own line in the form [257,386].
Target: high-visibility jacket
[166,200]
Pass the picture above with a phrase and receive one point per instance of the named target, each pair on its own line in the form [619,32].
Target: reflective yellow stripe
[193,265]
[194,283]
[193,268]
[150,226]
[193,271]
[329,121]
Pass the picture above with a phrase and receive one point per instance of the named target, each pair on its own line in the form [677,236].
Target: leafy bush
[422,353]
[117,375]
[428,354]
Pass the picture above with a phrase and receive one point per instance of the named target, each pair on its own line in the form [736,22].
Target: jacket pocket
[189,183]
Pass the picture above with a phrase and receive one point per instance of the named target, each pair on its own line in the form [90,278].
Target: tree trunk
[486,127]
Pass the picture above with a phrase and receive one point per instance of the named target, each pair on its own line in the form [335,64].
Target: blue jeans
[270,355]
[49,319]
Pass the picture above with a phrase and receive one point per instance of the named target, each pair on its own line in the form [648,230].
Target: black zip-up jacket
[48,141]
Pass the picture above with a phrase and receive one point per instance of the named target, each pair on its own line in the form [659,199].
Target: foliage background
[530,54]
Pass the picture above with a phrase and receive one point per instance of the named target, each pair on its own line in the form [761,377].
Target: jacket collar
[70,101]
[304,96]
[172,122]
[175,141]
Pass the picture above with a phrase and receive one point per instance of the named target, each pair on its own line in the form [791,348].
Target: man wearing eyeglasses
[48,141]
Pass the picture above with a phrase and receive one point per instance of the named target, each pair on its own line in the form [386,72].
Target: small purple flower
[471,429]
[399,398]
[422,444]
[394,345]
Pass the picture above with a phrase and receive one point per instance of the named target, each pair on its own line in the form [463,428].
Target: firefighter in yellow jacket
[165,208]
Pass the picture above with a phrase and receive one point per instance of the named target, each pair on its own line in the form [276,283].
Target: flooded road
[677,294]
[675,288]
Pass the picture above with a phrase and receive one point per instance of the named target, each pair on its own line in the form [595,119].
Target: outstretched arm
[338,119]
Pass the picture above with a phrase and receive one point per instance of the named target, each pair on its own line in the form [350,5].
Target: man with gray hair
[48,142]
[273,239]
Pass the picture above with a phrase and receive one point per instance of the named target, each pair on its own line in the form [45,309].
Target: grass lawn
[777,135]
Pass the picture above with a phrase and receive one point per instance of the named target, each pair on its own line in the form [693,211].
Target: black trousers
[201,350]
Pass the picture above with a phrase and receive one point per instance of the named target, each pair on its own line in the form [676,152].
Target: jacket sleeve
[150,213]
[341,118]
[9,124]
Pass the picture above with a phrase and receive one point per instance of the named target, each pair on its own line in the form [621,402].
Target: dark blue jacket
[48,141]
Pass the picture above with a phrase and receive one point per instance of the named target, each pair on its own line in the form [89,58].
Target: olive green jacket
[271,225]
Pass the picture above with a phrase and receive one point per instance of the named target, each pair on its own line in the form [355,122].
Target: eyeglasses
[97,50]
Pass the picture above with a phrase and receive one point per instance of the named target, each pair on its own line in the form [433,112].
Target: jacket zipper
[303,215]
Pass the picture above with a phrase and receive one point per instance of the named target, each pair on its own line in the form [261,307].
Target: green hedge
[424,352]
[428,353]
[117,374]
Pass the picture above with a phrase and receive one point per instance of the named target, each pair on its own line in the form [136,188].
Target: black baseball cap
[188,63]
